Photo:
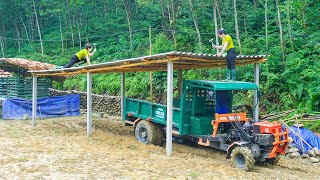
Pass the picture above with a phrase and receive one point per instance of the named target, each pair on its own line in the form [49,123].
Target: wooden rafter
[158,62]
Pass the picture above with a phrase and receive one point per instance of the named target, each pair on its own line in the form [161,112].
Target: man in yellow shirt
[83,55]
[227,44]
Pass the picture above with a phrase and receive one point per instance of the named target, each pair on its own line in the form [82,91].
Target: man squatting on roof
[83,55]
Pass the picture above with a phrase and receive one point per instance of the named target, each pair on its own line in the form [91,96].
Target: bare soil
[60,149]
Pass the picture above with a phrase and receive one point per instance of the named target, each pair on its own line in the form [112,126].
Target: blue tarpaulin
[56,106]
[307,135]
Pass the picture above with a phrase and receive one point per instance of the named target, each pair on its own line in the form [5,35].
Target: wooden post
[256,98]
[89,104]
[169,108]
[123,90]
[34,100]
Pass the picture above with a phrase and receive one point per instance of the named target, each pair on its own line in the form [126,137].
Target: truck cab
[202,99]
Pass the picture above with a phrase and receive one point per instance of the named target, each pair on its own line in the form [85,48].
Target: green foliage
[285,84]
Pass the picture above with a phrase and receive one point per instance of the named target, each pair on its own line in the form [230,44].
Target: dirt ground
[59,149]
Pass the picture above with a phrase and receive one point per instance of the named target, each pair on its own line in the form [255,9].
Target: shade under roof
[158,62]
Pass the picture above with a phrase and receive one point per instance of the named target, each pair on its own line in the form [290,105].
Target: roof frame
[158,62]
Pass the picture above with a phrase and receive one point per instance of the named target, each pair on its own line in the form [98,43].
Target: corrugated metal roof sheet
[22,66]
[24,63]
[158,62]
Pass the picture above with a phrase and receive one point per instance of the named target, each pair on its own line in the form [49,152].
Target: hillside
[287,31]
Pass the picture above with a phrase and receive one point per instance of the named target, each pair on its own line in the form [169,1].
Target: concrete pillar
[123,91]
[169,108]
[34,100]
[89,103]
[256,98]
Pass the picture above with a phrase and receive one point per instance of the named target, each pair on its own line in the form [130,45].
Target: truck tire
[148,133]
[273,161]
[242,158]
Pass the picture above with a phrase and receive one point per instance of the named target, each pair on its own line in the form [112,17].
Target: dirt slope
[59,149]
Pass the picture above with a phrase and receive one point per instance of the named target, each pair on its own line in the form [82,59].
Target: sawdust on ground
[60,149]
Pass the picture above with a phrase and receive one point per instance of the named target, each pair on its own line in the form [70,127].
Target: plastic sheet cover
[56,106]
[307,135]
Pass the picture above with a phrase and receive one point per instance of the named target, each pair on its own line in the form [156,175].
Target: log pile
[100,103]
[312,155]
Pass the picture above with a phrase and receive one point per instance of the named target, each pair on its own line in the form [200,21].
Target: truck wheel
[242,158]
[148,133]
[273,161]
[160,135]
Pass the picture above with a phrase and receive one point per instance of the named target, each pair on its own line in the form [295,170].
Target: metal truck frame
[204,115]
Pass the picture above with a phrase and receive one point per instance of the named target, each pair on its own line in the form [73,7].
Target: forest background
[288,31]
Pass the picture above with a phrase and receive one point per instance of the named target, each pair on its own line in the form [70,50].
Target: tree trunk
[173,23]
[244,16]
[163,17]
[31,29]
[128,12]
[70,23]
[289,22]
[61,35]
[195,20]
[215,6]
[219,14]
[281,32]
[38,25]
[236,25]
[67,29]
[26,31]
[2,47]
[18,38]
[255,4]
[266,22]
[117,6]
[304,16]
[79,34]
[105,11]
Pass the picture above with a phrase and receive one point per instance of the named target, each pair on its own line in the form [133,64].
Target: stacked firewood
[100,103]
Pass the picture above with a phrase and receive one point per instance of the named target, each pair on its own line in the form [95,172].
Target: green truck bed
[196,110]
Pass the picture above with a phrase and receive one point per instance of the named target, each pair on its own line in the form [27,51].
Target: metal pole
[169,108]
[89,103]
[123,91]
[256,99]
[34,100]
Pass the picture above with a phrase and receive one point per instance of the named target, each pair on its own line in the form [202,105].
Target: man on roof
[83,55]
[227,44]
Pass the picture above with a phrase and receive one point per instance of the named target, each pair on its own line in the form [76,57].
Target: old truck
[204,114]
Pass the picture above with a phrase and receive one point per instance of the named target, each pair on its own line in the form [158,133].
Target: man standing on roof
[227,44]
[83,55]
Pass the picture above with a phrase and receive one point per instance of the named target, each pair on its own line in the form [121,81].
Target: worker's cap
[221,31]
[88,46]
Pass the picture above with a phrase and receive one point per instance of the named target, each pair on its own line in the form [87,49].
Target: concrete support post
[169,108]
[89,103]
[256,98]
[123,91]
[34,100]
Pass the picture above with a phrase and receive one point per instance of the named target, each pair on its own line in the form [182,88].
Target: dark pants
[231,57]
[74,59]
